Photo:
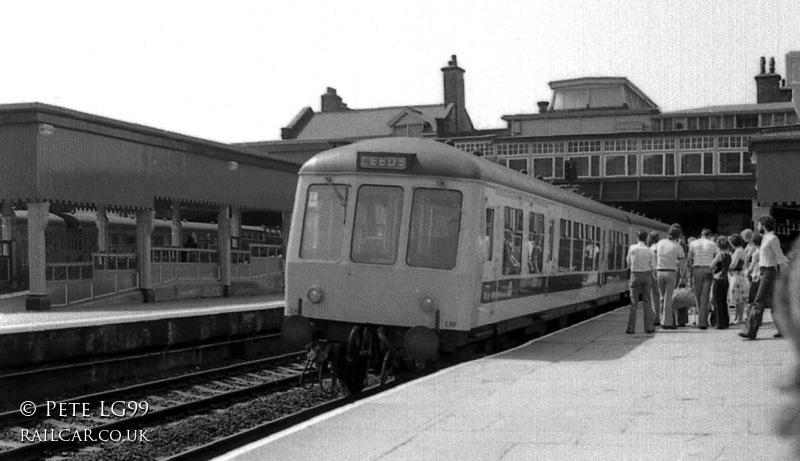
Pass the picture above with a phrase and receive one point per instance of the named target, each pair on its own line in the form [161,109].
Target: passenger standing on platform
[670,257]
[739,286]
[701,254]
[751,271]
[770,259]
[640,261]
[719,269]
[655,296]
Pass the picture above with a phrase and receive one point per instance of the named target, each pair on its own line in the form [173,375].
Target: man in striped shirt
[770,258]
[701,254]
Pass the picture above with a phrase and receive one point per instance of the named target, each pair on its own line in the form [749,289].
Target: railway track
[52,427]
[58,381]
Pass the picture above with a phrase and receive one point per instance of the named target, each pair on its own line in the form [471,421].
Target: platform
[590,392]
[30,338]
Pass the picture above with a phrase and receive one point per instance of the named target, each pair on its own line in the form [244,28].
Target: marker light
[315,294]
[427,304]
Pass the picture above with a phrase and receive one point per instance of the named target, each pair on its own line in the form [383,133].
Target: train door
[601,279]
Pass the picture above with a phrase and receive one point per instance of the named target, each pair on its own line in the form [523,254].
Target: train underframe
[345,352]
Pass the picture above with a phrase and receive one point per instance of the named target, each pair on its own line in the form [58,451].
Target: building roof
[366,123]
[733,108]
[56,154]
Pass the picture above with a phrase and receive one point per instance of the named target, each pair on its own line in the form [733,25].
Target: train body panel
[408,233]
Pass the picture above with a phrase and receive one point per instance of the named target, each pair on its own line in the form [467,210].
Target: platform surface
[15,319]
[590,392]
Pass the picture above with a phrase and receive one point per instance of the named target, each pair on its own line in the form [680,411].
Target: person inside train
[511,263]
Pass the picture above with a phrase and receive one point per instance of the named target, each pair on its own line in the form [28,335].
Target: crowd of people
[718,274]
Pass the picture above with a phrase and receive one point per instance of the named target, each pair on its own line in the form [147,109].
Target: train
[402,249]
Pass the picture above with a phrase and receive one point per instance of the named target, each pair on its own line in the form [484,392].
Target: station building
[84,197]
[690,166]
[613,141]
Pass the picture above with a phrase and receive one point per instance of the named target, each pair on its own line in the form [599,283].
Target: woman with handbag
[739,286]
[719,270]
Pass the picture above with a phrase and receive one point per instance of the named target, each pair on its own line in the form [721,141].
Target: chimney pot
[763,65]
[772,65]
[543,106]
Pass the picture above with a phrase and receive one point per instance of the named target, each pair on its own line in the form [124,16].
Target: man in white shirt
[770,258]
[640,261]
[701,254]
[669,261]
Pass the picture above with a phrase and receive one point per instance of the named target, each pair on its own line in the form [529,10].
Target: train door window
[488,237]
[377,224]
[551,239]
[324,222]
[577,246]
[535,243]
[590,249]
[612,250]
[512,241]
[434,228]
[564,245]
[598,241]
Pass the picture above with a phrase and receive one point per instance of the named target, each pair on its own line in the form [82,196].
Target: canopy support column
[225,249]
[102,229]
[176,224]
[145,222]
[38,216]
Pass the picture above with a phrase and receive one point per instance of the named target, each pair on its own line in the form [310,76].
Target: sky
[238,71]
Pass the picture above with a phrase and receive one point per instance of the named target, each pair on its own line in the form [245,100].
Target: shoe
[777,335]
[669,327]
[650,332]
[628,332]
[746,336]
[658,324]
[702,328]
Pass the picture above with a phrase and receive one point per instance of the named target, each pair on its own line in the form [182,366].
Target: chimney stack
[543,106]
[454,93]
[331,102]
[768,84]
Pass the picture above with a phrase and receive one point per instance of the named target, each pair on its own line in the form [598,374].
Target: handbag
[683,298]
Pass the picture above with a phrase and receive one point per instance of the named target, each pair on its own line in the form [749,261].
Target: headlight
[427,304]
[315,294]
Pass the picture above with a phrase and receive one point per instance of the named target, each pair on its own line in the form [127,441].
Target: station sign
[386,161]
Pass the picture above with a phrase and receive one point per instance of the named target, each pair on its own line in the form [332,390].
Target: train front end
[379,261]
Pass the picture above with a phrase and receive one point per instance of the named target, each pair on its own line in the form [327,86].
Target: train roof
[431,158]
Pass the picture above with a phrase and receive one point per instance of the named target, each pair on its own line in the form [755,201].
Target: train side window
[488,239]
[512,241]
[324,222]
[564,246]
[535,243]
[591,249]
[577,246]
[434,228]
[551,232]
[377,224]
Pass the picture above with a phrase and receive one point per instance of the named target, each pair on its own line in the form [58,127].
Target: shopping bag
[683,298]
